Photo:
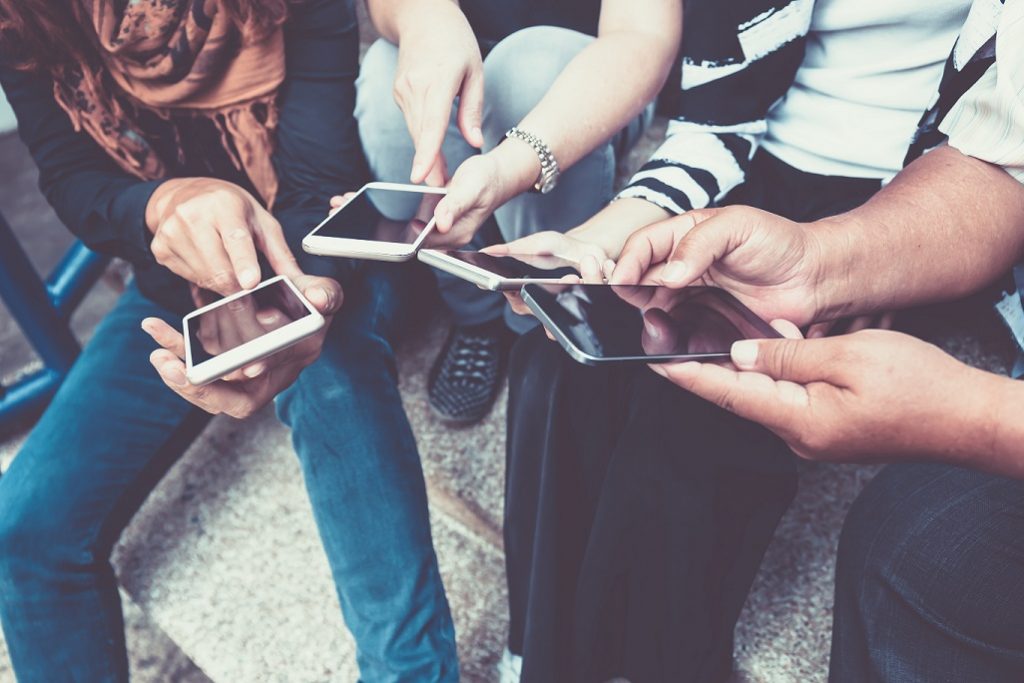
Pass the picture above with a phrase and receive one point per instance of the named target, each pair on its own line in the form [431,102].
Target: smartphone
[498,272]
[599,324]
[243,328]
[360,229]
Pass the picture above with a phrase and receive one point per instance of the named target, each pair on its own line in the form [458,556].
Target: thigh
[930,583]
[112,429]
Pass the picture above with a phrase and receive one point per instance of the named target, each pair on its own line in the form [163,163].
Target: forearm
[989,431]
[944,228]
[613,225]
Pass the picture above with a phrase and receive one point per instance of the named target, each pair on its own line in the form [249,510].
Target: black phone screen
[517,267]
[362,218]
[644,322]
[241,320]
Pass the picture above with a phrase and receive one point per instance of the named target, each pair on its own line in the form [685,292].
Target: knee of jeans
[520,70]
[382,130]
[33,538]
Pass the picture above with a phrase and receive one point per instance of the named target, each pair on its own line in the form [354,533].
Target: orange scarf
[174,57]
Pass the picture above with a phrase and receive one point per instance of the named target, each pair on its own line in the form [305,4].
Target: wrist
[611,227]
[417,16]
[991,426]
[517,165]
[832,267]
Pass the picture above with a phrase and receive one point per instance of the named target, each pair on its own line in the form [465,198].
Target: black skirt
[637,514]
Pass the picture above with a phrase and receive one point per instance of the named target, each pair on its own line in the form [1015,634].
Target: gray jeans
[517,73]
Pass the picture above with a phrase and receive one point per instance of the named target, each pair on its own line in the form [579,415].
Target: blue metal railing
[42,310]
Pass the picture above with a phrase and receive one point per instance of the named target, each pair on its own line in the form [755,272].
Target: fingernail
[417,171]
[674,272]
[249,277]
[477,133]
[609,268]
[253,371]
[652,329]
[173,374]
[744,354]
[147,326]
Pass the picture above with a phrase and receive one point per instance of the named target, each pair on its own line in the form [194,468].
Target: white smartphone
[498,273]
[243,328]
[599,324]
[360,229]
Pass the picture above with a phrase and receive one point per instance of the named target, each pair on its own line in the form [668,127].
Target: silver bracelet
[548,177]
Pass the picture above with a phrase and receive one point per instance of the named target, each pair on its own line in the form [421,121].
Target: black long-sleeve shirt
[317,151]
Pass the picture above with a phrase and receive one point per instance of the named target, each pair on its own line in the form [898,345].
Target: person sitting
[512,98]
[931,557]
[637,514]
[194,139]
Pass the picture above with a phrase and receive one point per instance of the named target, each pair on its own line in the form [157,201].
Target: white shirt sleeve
[988,121]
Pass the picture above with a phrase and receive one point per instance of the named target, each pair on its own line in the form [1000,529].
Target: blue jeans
[930,579]
[112,431]
[518,72]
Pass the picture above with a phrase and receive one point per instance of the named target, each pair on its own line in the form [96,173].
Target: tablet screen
[364,218]
[239,321]
[642,322]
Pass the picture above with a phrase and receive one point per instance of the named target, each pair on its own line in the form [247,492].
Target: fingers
[241,253]
[751,395]
[435,113]
[591,270]
[820,330]
[787,329]
[651,246]
[274,246]
[516,303]
[802,361]
[471,107]
[324,293]
[217,397]
[437,176]
[165,335]
[711,237]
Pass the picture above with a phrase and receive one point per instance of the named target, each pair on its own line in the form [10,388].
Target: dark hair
[51,35]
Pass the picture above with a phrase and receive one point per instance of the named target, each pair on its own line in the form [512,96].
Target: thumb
[324,293]
[797,360]
[471,107]
[713,235]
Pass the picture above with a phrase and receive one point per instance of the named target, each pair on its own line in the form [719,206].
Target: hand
[245,391]
[591,261]
[768,262]
[860,397]
[208,232]
[438,61]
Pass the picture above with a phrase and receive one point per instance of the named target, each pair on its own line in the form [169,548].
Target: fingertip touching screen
[638,322]
[239,321]
[382,215]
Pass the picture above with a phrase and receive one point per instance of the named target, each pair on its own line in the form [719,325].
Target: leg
[928,582]
[111,432]
[636,516]
[363,474]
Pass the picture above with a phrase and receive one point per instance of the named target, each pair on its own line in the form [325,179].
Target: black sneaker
[465,378]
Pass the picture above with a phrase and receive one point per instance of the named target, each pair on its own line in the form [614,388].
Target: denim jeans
[930,579]
[112,431]
[518,72]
